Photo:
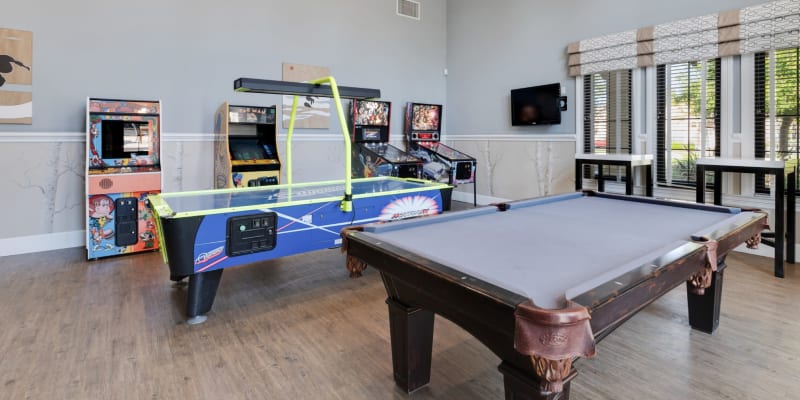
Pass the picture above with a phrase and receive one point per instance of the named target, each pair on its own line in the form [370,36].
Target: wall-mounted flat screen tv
[536,105]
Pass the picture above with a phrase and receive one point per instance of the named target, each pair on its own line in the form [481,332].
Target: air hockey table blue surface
[204,232]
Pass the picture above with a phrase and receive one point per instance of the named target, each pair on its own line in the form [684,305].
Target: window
[776,109]
[607,115]
[688,118]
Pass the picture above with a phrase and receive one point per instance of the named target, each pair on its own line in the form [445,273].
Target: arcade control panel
[127,219]
[251,233]
[422,136]
[263,181]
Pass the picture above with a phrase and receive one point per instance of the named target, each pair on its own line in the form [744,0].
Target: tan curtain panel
[774,25]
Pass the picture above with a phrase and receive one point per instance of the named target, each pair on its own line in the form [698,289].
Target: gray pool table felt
[556,249]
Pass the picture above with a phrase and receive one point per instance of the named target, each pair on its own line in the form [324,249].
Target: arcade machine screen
[425,117]
[248,149]
[123,139]
[372,113]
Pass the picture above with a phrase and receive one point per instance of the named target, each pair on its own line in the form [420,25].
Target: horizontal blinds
[600,111]
[661,123]
[607,112]
[777,108]
[607,122]
[619,113]
[587,114]
[683,114]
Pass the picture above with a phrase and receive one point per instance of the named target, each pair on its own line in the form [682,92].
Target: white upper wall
[496,46]
[187,53]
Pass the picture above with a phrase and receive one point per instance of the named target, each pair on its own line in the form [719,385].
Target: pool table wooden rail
[418,288]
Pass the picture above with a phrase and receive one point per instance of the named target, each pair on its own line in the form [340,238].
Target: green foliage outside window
[786,102]
[686,117]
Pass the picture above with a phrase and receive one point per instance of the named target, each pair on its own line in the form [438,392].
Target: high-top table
[776,168]
[629,161]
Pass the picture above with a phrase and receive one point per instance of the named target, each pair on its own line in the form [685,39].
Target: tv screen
[425,117]
[536,105]
[247,149]
[371,113]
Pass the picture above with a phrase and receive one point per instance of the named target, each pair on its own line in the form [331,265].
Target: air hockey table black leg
[202,290]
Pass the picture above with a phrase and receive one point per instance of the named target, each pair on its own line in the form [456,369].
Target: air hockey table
[204,232]
[540,281]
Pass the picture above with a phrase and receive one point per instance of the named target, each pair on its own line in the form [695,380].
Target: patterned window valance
[774,25]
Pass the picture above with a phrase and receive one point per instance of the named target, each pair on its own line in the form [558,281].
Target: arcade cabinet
[245,148]
[441,163]
[123,167]
[372,154]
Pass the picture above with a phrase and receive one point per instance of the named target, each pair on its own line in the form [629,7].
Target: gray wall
[496,46]
[187,53]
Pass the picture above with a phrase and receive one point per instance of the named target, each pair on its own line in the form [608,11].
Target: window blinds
[607,113]
[688,118]
[777,108]
[607,122]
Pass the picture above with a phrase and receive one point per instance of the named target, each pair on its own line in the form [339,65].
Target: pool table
[540,281]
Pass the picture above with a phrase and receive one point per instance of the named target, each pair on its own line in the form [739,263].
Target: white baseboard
[37,243]
[466,197]
[49,137]
[42,137]
[512,137]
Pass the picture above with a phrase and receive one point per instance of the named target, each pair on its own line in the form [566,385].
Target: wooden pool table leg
[200,296]
[704,308]
[521,385]
[411,330]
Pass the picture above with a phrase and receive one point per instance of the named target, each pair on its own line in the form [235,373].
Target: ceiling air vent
[408,8]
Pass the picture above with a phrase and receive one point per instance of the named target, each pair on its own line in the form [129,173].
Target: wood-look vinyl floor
[299,328]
